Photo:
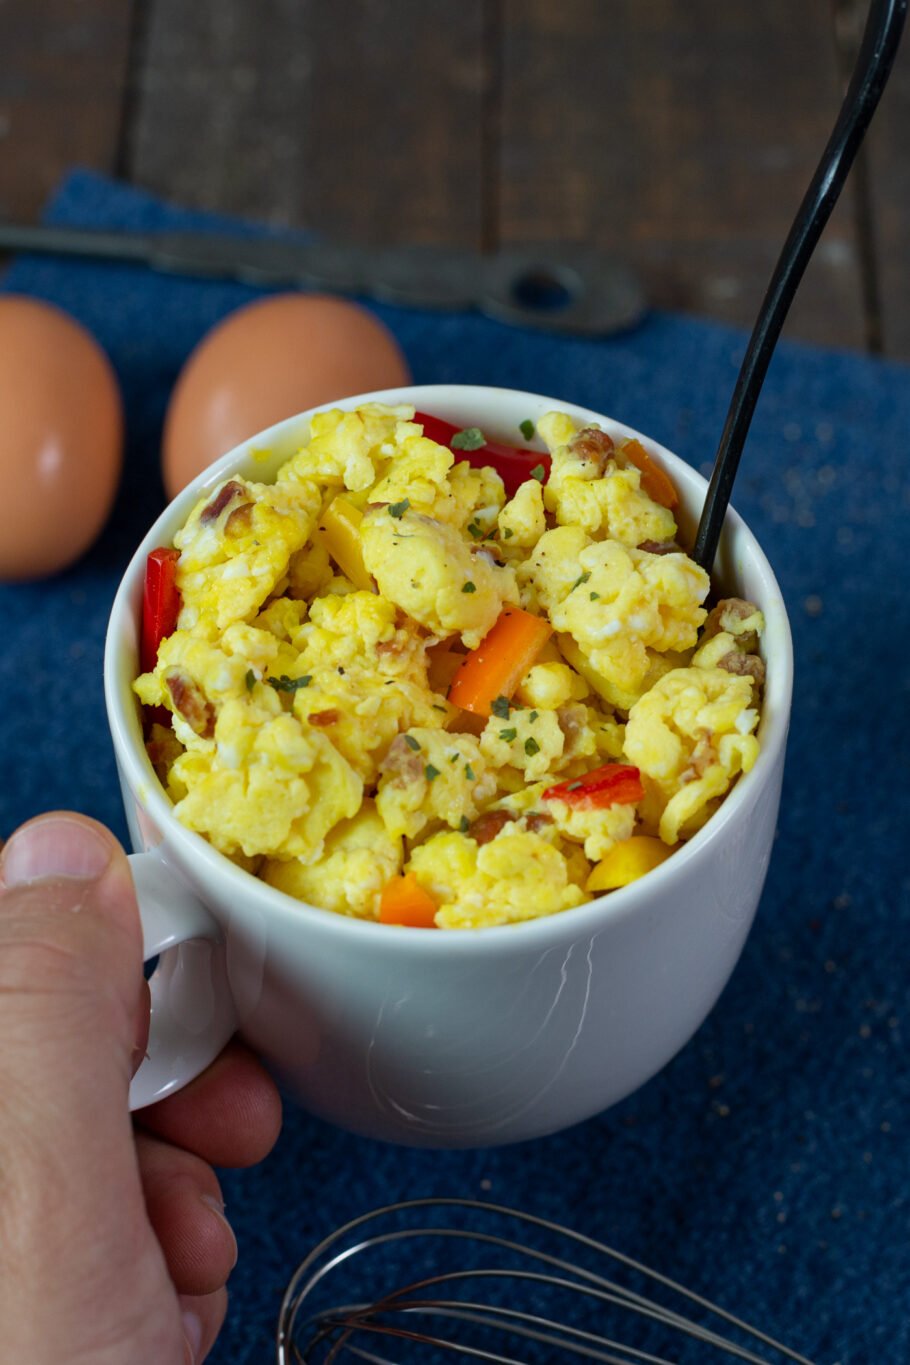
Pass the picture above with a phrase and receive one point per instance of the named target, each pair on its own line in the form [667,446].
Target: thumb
[70,961]
[71,988]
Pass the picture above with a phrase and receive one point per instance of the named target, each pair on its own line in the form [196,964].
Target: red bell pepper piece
[615,784]
[513,464]
[160,604]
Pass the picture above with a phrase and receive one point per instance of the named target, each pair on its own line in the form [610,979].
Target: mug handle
[193,1014]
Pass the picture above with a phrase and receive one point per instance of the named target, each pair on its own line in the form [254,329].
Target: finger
[203,1318]
[186,1210]
[230,1115]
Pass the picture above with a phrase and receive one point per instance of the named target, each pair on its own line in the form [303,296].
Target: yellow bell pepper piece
[339,532]
[627,861]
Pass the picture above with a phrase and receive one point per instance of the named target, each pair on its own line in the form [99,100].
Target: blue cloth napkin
[767,1166]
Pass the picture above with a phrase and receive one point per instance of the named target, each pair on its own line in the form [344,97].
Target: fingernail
[192,1337]
[54,846]
[215,1206]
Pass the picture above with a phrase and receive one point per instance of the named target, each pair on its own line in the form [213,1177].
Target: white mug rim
[578,921]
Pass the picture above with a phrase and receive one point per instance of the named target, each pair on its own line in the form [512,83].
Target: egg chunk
[516,876]
[691,734]
[426,568]
[236,547]
[358,859]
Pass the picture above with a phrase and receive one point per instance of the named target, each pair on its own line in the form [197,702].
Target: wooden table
[679,134]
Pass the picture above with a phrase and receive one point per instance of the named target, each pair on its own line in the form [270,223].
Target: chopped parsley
[500,707]
[507,533]
[438,707]
[582,578]
[573,786]
[531,746]
[412,743]
[476,530]
[532,717]
[250,680]
[469,587]
[286,684]
[526,428]
[398,509]
[593,596]
[454,757]
[472,438]
[430,773]
[538,472]
[464,824]
[469,772]
[508,735]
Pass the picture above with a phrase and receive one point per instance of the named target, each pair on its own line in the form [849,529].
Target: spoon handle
[882,34]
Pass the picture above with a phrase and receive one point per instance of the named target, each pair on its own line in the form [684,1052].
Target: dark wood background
[680,134]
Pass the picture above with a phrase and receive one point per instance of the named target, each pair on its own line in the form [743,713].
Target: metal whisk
[547,1297]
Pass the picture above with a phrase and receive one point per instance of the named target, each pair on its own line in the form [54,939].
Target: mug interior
[741,567]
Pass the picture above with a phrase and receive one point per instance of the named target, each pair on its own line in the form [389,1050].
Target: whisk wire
[343,1322]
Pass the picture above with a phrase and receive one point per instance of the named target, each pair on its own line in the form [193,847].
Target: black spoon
[882,35]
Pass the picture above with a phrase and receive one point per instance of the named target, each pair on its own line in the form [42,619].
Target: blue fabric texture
[767,1165]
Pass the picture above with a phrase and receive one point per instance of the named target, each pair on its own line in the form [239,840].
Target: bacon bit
[330,717]
[537,821]
[191,703]
[401,763]
[487,826]
[744,665]
[660,547]
[704,755]
[240,522]
[593,444]
[219,502]
[729,614]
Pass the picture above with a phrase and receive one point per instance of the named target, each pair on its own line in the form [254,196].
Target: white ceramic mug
[460,1038]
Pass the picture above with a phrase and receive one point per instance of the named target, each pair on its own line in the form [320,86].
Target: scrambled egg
[315,681]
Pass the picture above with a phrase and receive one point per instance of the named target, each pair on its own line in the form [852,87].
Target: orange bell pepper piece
[657,484]
[404,901]
[496,667]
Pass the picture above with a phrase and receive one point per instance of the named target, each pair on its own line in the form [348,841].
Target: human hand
[113,1242]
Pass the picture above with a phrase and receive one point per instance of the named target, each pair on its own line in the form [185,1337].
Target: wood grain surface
[63,66]
[679,137]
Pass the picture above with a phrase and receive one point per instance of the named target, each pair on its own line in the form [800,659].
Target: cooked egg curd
[385,674]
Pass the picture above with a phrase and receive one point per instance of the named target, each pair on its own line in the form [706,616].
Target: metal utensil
[554,287]
[881,39]
[499,1285]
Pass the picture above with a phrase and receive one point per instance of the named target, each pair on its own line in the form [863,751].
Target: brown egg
[267,361]
[61,438]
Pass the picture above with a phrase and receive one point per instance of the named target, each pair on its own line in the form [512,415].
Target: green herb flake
[469,773]
[250,680]
[526,428]
[500,707]
[464,824]
[582,578]
[593,596]
[476,530]
[573,786]
[507,533]
[472,438]
[508,735]
[538,472]
[430,773]
[531,746]
[398,509]
[469,587]
[412,743]
[438,707]
[286,684]
[532,717]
